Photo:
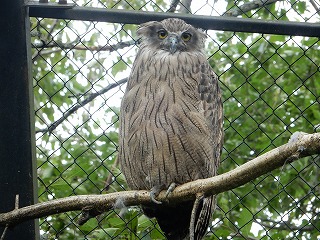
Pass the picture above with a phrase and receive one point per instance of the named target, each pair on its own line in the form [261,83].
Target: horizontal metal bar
[206,22]
[50,4]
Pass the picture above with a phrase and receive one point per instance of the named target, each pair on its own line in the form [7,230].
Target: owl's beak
[173,43]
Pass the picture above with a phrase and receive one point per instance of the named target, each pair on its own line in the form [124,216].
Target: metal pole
[206,22]
[17,143]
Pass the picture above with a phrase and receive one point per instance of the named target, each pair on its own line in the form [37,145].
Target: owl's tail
[203,216]
[174,221]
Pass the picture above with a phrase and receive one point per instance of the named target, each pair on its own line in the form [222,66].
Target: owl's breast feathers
[171,120]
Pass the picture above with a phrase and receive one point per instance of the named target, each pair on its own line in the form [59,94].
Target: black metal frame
[17,136]
[233,24]
[17,151]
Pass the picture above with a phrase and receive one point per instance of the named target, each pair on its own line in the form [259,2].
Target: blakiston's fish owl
[171,121]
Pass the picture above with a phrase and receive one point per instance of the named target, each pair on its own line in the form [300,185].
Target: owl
[171,122]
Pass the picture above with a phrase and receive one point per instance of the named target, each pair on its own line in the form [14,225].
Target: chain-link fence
[270,86]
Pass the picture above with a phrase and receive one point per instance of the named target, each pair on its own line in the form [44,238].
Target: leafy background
[270,87]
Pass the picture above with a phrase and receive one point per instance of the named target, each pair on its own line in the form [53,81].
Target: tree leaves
[270,89]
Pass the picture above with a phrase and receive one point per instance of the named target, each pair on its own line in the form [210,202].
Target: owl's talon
[155,192]
[153,198]
[170,189]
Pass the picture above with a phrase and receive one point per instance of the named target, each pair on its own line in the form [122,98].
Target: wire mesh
[270,89]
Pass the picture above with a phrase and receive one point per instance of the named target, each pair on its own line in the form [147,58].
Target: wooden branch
[56,46]
[246,7]
[185,6]
[75,45]
[300,145]
[173,5]
[315,6]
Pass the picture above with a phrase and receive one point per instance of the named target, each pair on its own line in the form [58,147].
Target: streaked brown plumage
[171,121]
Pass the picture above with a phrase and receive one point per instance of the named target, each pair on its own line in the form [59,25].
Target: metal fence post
[17,144]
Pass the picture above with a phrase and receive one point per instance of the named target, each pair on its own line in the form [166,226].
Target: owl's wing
[210,97]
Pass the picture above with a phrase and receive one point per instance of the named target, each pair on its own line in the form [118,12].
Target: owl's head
[172,35]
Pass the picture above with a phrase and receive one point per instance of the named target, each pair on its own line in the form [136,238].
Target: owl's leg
[155,192]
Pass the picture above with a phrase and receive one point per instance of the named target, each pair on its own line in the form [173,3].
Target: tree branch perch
[300,145]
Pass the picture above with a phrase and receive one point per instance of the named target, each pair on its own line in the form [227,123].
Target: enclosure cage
[64,70]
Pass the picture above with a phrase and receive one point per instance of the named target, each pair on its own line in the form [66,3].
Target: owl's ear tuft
[199,32]
[202,34]
[148,28]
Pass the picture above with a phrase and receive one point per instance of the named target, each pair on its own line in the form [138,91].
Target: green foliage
[271,89]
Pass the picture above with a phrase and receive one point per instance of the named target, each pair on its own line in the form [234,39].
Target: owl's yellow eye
[186,36]
[162,34]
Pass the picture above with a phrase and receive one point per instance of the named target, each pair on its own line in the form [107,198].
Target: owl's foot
[155,192]
[157,189]
[170,189]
